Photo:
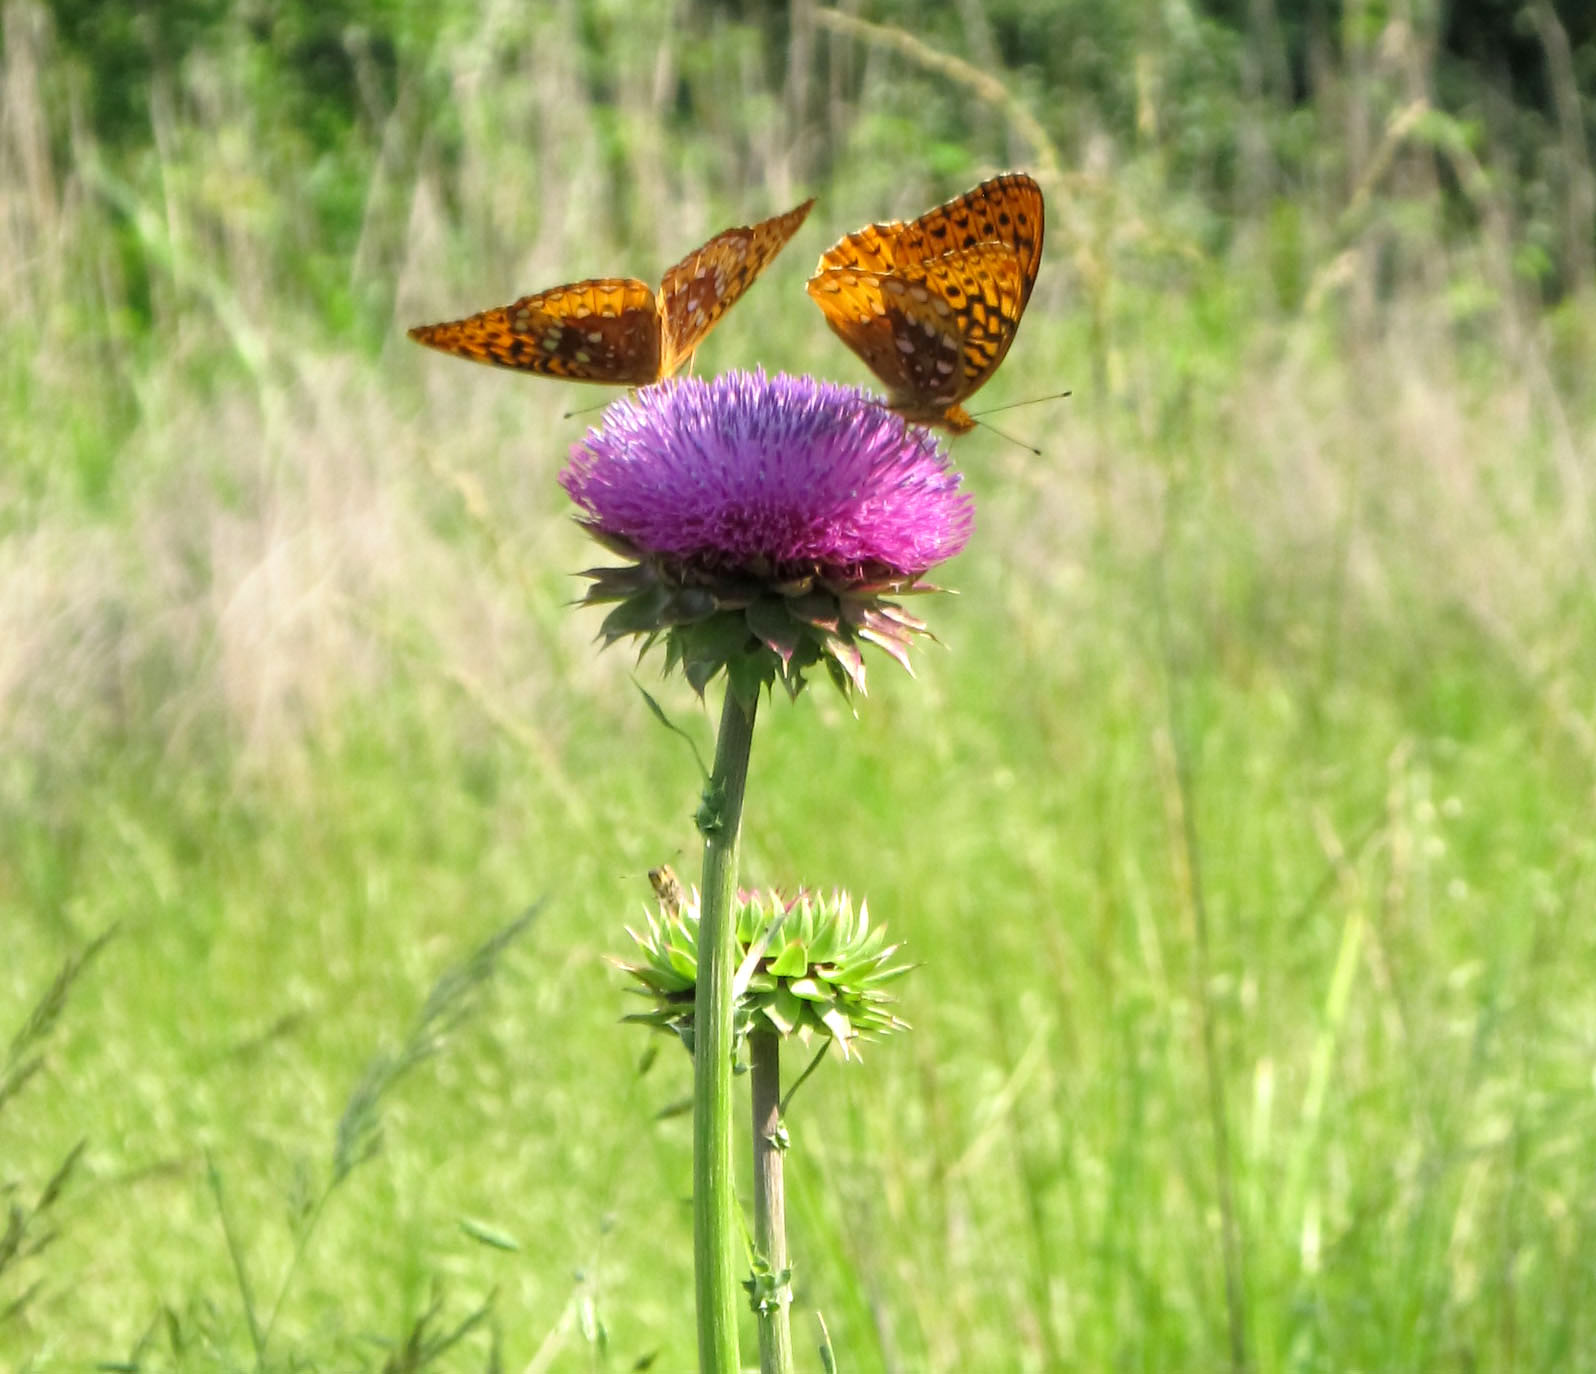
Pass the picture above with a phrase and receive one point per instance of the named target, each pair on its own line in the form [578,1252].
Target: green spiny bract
[817,967]
[760,631]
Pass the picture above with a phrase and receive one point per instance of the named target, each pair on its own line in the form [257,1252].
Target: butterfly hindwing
[603,330]
[914,349]
[705,284]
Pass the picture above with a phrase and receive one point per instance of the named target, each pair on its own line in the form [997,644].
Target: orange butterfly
[616,330]
[932,306]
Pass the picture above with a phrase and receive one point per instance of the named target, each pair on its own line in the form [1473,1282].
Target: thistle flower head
[765,520]
[809,965]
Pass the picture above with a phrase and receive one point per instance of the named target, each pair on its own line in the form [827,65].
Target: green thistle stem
[714,1192]
[770,1198]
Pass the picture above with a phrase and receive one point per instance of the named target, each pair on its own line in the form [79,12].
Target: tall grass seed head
[765,522]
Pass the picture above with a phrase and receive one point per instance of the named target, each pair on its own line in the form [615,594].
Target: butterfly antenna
[585,410]
[1035,400]
[1001,435]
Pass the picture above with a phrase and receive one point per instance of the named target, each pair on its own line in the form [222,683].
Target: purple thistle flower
[770,473]
[764,517]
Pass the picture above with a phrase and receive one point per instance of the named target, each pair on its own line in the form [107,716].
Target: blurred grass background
[1244,830]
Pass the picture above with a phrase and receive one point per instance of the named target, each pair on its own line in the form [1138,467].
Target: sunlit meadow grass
[1254,787]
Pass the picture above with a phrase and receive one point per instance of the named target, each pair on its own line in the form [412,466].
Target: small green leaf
[792,962]
[747,673]
[838,1024]
[488,1235]
[637,614]
[784,1011]
[828,1360]
[769,621]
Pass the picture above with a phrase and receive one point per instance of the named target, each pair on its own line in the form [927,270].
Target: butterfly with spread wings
[931,306]
[617,330]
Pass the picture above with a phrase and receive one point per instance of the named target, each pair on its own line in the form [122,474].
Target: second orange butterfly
[931,306]
[617,330]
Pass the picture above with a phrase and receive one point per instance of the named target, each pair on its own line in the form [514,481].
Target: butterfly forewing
[705,284]
[1007,209]
[617,330]
[932,333]
[604,330]
[986,285]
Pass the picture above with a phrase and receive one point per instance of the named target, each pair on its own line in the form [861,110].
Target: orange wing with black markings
[1007,209]
[934,333]
[932,305]
[604,330]
[617,330]
[705,284]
